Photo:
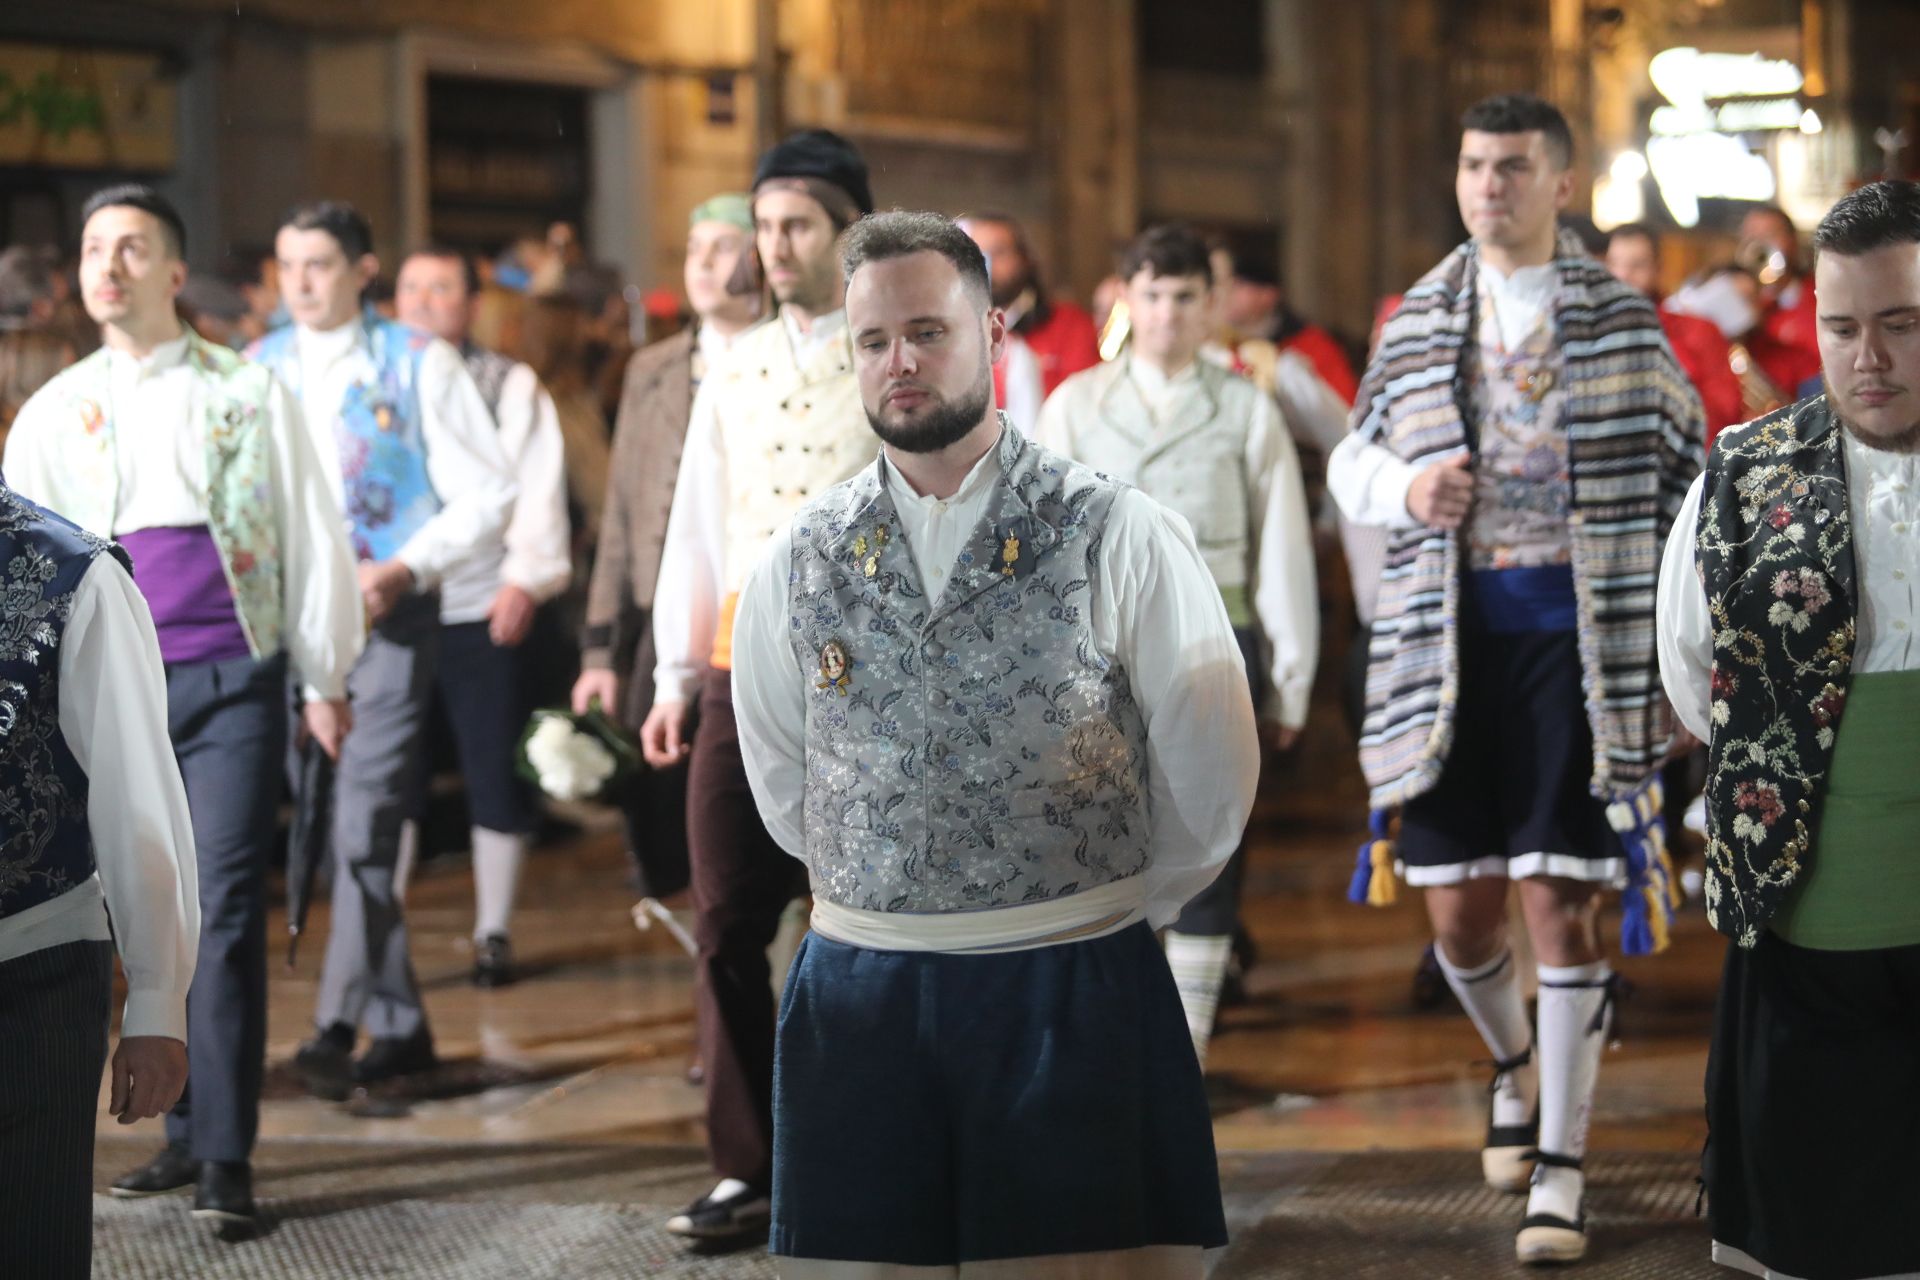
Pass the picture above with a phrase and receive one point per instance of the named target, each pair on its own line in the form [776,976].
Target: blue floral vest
[46,848]
[382,450]
[977,750]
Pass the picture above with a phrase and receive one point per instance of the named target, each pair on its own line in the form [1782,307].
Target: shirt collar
[1152,382]
[331,344]
[711,343]
[983,473]
[818,334]
[157,361]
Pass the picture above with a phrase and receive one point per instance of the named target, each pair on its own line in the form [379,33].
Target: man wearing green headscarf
[617,657]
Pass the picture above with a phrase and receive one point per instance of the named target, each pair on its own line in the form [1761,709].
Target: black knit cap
[821,154]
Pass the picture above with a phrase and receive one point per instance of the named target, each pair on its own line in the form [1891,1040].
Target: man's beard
[1906,440]
[1006,292]
[945,423]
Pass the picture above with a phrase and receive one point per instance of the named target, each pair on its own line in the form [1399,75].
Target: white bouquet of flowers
[576,757]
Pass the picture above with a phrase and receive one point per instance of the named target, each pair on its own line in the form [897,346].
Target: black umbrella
[312,837]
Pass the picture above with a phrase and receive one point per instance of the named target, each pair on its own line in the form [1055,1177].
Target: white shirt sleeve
[1369,482]
[539,559]
[1686,626]
[1310,406]
[324,623]
[1156,609]
[464,463]
[1286,598]
[693,560]
[770,698]
[32,470]
[113,714]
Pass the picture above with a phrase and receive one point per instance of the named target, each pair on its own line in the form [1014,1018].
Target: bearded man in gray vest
[1788,645]
[994,703]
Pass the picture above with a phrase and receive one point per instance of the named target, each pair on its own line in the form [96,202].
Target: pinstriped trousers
[54,1006]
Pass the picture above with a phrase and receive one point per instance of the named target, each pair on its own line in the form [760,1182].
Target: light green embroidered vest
[240,500]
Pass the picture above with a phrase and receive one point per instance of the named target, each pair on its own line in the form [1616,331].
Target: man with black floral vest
[1788,614]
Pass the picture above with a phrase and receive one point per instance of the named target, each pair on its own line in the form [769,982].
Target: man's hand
[1275,736]
[1441,495]
[596,682]
[383,584]
[510,616]
[663,738]
[327,721]
[149,1074]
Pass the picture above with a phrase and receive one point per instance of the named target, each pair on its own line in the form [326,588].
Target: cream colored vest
[1196,465]
[789,434]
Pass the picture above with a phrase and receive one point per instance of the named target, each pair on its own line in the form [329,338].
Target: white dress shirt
[1281,582]
[464,461]
[1883,503]
[1153,610]
[113,714]
[693,577]
[158,410]
[1368,480]
[533,552]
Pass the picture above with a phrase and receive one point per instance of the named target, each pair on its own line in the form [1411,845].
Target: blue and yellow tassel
[1373,881]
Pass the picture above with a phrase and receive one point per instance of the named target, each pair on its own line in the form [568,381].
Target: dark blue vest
[46,848]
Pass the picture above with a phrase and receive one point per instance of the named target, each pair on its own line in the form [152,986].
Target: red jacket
[1787,344]
[1327,357]
[1064,341]
[1703,353]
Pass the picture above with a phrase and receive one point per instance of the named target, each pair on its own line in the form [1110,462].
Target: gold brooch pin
[836,668]
[1009,556]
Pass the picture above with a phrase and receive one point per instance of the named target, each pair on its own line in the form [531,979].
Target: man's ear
[368,269]
[996,334]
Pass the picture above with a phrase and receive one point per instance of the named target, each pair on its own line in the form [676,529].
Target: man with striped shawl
[1527,437]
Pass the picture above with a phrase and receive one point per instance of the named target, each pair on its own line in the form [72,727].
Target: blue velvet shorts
[934,1108]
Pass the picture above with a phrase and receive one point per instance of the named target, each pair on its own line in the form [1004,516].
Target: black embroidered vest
[1775,550]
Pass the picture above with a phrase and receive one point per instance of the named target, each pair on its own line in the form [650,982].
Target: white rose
[570,765]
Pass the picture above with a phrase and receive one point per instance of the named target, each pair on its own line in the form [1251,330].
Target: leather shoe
[224,1197]
[171,1170]
[388,1057]
[493,962]
[325,1063]
[746,1212]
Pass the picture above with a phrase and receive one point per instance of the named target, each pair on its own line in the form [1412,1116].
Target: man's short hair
[1876,216]
[447,253]
[346,224]
[1172,249]
[1635,231]
[138,195]
[898,233]
[1522,113]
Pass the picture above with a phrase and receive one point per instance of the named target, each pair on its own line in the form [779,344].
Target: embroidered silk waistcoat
[382,448]
[1522,492]
[1197,466]
[977,750]
[1775,549]
[46,847]
[234,427]
[789,432]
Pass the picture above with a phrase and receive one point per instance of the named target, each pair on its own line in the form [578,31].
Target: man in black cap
[776,423]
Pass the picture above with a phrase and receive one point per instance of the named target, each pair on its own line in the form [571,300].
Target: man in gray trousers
[421,483]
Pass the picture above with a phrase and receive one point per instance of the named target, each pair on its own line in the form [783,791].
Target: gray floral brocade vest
[1775,550]
[977,750]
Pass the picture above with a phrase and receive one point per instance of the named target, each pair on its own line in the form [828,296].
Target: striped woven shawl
[1634,428]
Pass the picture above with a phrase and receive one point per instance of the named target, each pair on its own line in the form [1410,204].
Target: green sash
[1861,891]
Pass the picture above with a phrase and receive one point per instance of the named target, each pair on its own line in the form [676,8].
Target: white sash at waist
[1078,917]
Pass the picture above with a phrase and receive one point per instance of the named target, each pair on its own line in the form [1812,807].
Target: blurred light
[1687,76]
[1810,121]
[1692,168]
[1628,166]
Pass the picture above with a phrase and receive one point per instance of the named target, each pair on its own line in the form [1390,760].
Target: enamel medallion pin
[836,668]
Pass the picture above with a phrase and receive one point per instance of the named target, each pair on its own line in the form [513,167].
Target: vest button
[934,649]
[941,804]
[937,752]
[938,697]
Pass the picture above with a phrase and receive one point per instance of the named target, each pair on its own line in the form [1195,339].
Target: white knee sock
[497,859]
[1491,996]
[1199,964]
[1571,999]
[408,857]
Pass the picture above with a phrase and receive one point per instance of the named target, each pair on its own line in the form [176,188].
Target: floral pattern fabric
[977,750]
[1775,549]
[45,848]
